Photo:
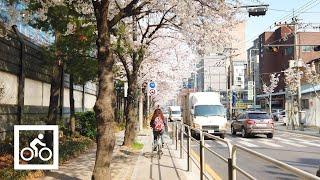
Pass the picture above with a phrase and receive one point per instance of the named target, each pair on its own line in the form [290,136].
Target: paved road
[297,150]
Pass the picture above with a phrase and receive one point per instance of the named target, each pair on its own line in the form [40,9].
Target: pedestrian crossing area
[279,141]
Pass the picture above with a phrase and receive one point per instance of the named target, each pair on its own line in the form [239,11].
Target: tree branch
[127,11]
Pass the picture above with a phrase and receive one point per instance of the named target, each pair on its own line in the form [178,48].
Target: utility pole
[230,74]
[296,58]
[251,75]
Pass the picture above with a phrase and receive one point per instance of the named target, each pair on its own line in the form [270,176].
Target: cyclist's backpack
[158,124]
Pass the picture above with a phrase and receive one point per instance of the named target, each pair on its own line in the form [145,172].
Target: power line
[282,10]
[302,8]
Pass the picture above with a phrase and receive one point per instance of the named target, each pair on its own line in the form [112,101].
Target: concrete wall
[37,79]
[9,82]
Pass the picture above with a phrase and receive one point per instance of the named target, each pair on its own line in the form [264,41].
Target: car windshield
[209,110]
[258,116]
[176,112]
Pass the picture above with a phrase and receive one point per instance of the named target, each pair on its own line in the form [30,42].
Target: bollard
[201,155]
[189,148]
[181,140]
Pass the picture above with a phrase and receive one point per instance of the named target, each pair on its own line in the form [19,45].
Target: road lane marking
[222,144]
[269,143]
[310,143]
[291,143]
[207,145]
[305,142]
[245,139]
[247,144]
[207,168]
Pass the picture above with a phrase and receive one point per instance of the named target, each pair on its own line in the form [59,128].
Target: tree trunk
[104,109]
[54,96]
[72,111]
[105,104]
[131,116]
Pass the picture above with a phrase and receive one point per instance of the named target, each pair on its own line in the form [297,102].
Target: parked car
[252,123]
[278,114]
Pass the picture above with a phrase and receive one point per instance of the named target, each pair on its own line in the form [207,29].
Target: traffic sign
[152,88]
[152,92]
[152,85]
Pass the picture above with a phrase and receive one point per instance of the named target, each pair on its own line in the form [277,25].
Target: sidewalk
[129,164]
[170,166]
[80,168]
[311,131]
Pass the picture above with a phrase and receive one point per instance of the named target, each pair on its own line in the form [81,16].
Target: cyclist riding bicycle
[158,125]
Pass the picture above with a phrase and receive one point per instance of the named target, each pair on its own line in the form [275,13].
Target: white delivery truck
[174,113]
[203,110]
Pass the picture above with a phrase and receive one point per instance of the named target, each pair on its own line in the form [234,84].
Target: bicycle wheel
[50,154]
[22,154]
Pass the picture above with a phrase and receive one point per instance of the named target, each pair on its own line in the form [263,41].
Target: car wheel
[243,132]
[233,132]
[222,136]
[270,135]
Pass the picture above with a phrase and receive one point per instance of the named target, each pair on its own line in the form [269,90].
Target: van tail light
[250,122]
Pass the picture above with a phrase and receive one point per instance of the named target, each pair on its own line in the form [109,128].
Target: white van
[174,113]
[207,113]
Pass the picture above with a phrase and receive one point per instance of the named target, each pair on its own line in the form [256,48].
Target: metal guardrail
[232,154]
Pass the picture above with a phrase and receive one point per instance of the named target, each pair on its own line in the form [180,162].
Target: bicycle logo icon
[33,151]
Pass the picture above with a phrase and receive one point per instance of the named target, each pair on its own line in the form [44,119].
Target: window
[305,103]
[209,110]
[258,116]
[288,51]
[307,48]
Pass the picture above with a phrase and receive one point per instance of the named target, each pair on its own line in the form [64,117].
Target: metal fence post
[172,129]
[189,148]
[201,155]
[181,139]
[232,162]
[177,135]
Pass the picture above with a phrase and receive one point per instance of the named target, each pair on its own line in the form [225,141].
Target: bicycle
[158,145]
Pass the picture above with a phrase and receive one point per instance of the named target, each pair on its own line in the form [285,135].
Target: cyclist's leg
[155,139]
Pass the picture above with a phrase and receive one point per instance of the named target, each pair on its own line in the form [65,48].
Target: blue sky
[257,25]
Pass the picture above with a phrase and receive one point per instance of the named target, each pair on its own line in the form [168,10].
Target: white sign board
[250,90]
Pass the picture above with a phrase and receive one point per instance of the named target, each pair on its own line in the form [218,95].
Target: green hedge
[69,147]
[87,124]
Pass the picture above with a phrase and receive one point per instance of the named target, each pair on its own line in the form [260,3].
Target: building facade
[275,59]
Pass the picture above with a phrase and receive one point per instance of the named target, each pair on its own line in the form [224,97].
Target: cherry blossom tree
[274,80]
[312,76]
[203,23]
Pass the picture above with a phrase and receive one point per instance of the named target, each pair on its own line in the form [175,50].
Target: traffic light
[273,49]
[259,11]
[316,48]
